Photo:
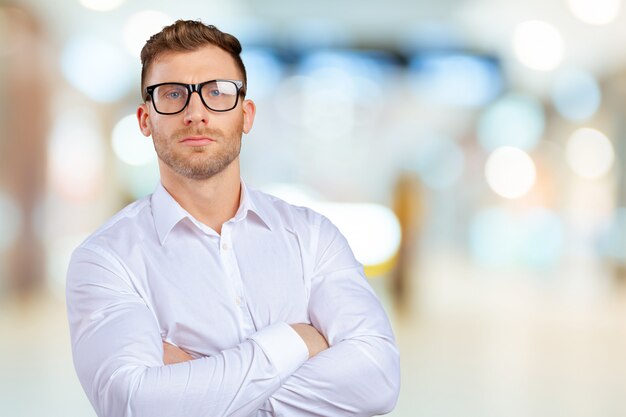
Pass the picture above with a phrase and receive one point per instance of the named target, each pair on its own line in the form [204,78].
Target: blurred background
[471,151]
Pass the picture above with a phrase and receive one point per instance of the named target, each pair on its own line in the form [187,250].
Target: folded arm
[118,353]
[359,375]
[313,339]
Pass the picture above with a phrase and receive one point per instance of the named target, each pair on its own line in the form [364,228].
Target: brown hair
[189,36]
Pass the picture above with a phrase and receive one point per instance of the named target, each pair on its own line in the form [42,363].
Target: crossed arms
[313,339]
[119,355]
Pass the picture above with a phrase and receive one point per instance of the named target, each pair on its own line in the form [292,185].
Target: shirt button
[225,246]
[238,301]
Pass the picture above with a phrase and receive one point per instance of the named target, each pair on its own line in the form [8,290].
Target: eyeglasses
[216,95]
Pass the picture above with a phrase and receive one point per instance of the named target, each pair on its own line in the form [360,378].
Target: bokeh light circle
[538,45]
[97,68]
[493,234]
[595,12]
[76,155]
[328,109]
[613,238]
[130,145]
[514,120]
[503,238]
[139,180]
[372,245]
[510,172]
[576,95]
[590,153]
[101,5]
[141,26]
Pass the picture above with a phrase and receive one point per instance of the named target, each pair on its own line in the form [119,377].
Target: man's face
[196,143]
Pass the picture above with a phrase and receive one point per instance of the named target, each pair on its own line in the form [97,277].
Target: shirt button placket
[229,260]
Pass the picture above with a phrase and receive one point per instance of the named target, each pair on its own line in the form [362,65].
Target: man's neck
[213,201]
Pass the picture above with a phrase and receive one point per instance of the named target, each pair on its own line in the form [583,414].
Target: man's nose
[196,112]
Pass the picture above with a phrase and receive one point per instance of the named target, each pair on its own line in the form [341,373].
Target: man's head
[196,136]
[188,36]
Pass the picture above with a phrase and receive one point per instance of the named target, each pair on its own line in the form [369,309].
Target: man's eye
[173,95]
[214,93]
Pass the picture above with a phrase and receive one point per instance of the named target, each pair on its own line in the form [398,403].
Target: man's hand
[173,354]
[314,340]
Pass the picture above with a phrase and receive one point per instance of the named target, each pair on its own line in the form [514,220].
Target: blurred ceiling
[483,26]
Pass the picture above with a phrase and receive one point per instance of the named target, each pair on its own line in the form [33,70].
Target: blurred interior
[471,151]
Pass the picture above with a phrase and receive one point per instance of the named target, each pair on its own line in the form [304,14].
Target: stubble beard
[201,162]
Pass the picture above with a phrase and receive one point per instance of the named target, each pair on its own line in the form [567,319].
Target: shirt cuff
[283,346]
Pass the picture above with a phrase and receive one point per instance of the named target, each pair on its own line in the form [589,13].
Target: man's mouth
[197,140]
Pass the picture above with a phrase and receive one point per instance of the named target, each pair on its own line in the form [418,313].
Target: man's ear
[249,110]
[142,118]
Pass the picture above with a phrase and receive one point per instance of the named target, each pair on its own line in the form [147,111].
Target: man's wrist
[314,340]
[286,350]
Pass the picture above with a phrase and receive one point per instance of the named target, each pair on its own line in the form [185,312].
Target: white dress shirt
[153,273]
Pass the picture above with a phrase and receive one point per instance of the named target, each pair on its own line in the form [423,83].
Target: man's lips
[197,140]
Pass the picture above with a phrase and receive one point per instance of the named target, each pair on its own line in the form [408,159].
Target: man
[208,298]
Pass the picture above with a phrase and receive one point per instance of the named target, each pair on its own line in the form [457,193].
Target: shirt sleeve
[359,375]
[118,353]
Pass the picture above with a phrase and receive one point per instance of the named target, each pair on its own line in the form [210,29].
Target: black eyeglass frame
[191,88]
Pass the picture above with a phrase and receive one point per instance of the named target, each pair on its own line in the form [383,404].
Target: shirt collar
[247,204]
[168,213]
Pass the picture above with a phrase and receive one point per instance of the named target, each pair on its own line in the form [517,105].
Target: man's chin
[199,148]
[196,165]
[198,173]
